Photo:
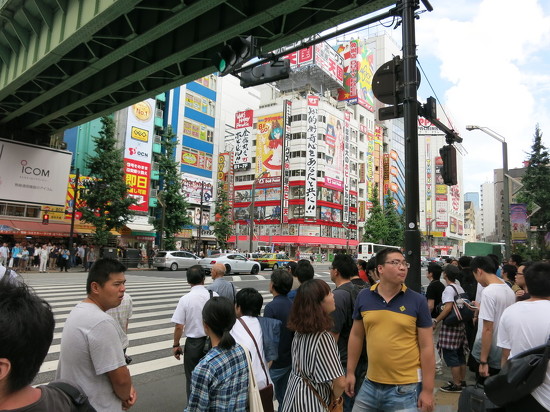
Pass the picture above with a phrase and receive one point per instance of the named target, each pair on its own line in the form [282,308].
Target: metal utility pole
[75,199]
[410,113]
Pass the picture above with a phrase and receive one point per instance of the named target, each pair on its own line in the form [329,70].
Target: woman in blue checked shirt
[220,380]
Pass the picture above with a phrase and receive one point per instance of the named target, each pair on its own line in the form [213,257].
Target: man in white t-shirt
[526,325]
[496,297]
[91,353]
[248,306]
[188,320]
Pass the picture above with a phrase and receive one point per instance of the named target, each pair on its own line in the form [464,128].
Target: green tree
[536,191]
[107,204]
[376,226]
[175,205]
[223,224]
[394,221]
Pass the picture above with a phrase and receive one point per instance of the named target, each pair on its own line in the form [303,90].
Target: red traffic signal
[45,219]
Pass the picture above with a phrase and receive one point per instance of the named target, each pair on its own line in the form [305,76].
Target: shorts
[454,357]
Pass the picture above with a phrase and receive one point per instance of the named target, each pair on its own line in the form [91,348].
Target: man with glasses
[398,328]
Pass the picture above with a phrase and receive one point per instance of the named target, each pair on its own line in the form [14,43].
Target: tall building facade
[488,216]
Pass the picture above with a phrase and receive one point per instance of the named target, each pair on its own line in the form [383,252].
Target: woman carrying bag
[220,381]
[317,378]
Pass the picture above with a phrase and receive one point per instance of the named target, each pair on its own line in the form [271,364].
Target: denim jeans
[280,381]
[378,397]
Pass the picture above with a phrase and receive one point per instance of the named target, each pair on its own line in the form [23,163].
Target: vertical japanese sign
[386,165]
[311,157]
[243,126]
[365,72]
[519,222]
[138,152]
[347,133]
[269,144]
[287,113]
[349,52]
[370,165]
[441,216]
[429,179]
[334,139]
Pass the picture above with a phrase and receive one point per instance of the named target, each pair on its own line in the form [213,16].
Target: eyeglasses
[398,263]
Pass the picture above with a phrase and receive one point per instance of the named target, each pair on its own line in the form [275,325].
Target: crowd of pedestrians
[46,257]
[369,344]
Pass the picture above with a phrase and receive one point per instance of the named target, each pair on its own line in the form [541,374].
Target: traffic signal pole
[410,112]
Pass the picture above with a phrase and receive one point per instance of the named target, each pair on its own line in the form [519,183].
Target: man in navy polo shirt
[279,308]
[398,328]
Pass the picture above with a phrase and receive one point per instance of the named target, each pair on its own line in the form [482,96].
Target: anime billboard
[269,144]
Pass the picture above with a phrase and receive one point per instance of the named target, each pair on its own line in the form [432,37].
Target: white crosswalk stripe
[150,329]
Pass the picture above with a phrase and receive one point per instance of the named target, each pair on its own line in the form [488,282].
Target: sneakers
[451,388]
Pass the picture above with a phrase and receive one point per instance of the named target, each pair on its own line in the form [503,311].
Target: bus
[366,250]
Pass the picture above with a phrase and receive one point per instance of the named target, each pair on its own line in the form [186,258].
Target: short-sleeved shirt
[495,298]
[391,334]
[91,346]
[219,382]
[223,288]
[279,308]
[51,400]
[122,313]
[189,311]
[315,357]
[434,291]
[344,299]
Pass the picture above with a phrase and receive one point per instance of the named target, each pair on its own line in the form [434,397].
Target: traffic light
[234,54]
[448,171]
[45,219]
[266,73]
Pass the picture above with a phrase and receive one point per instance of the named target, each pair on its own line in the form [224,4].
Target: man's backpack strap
[79,398]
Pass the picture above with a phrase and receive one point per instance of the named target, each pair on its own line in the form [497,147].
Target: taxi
[273,260]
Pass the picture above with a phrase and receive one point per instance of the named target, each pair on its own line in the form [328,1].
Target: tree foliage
[536,190]
[223,224]
[107,204]
[175,205]
[376,226]
[394,221]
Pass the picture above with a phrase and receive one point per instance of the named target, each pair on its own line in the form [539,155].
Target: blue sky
[489,64]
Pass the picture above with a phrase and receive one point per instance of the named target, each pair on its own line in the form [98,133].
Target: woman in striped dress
[316,368]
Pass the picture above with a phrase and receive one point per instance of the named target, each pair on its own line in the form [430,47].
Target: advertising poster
[386,164]
[429,180]
[243,130]
[269,144]
[192,186]
[137,176]
[365,71]
[69,201]
[286,160]
[369,161]
[441,216]
[347,138]
[311,157]
[453,228]
[195,158]
[334,139]
[33,174]
[329,61]
[349,90]
[519,222]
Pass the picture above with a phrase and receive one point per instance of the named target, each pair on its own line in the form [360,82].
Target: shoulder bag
[266,393]
[520,376]
[335,404]
[254,399]
[463,310]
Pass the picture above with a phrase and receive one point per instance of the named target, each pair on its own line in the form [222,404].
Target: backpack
[80,399]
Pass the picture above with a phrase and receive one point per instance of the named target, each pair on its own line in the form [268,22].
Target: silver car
[174,260]
[233,262]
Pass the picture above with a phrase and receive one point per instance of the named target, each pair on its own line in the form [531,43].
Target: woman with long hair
[220,380]
[317,374]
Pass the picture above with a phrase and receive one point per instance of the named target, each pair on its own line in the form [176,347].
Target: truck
[484,249]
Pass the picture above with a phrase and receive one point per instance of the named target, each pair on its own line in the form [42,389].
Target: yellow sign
[441,189]
[55,212]
[142,110]
[140,134]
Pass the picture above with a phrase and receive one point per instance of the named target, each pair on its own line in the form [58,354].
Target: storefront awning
[141,229]
[30,228]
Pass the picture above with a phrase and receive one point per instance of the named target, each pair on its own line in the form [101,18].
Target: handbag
[335,404]
[521,375]
[254,399]
[463,310]
[266,393]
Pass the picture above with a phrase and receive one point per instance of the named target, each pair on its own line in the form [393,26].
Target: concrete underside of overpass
[64,62]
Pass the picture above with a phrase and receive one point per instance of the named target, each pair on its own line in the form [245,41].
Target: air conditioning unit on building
[154,193]
[157,139]
[159,113]
[154,166]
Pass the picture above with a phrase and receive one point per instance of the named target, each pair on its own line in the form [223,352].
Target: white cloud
[495,56]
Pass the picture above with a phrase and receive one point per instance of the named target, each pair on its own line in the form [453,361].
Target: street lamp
[505,183]
[253,197]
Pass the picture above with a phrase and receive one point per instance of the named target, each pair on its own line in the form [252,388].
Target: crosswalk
[150,330]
